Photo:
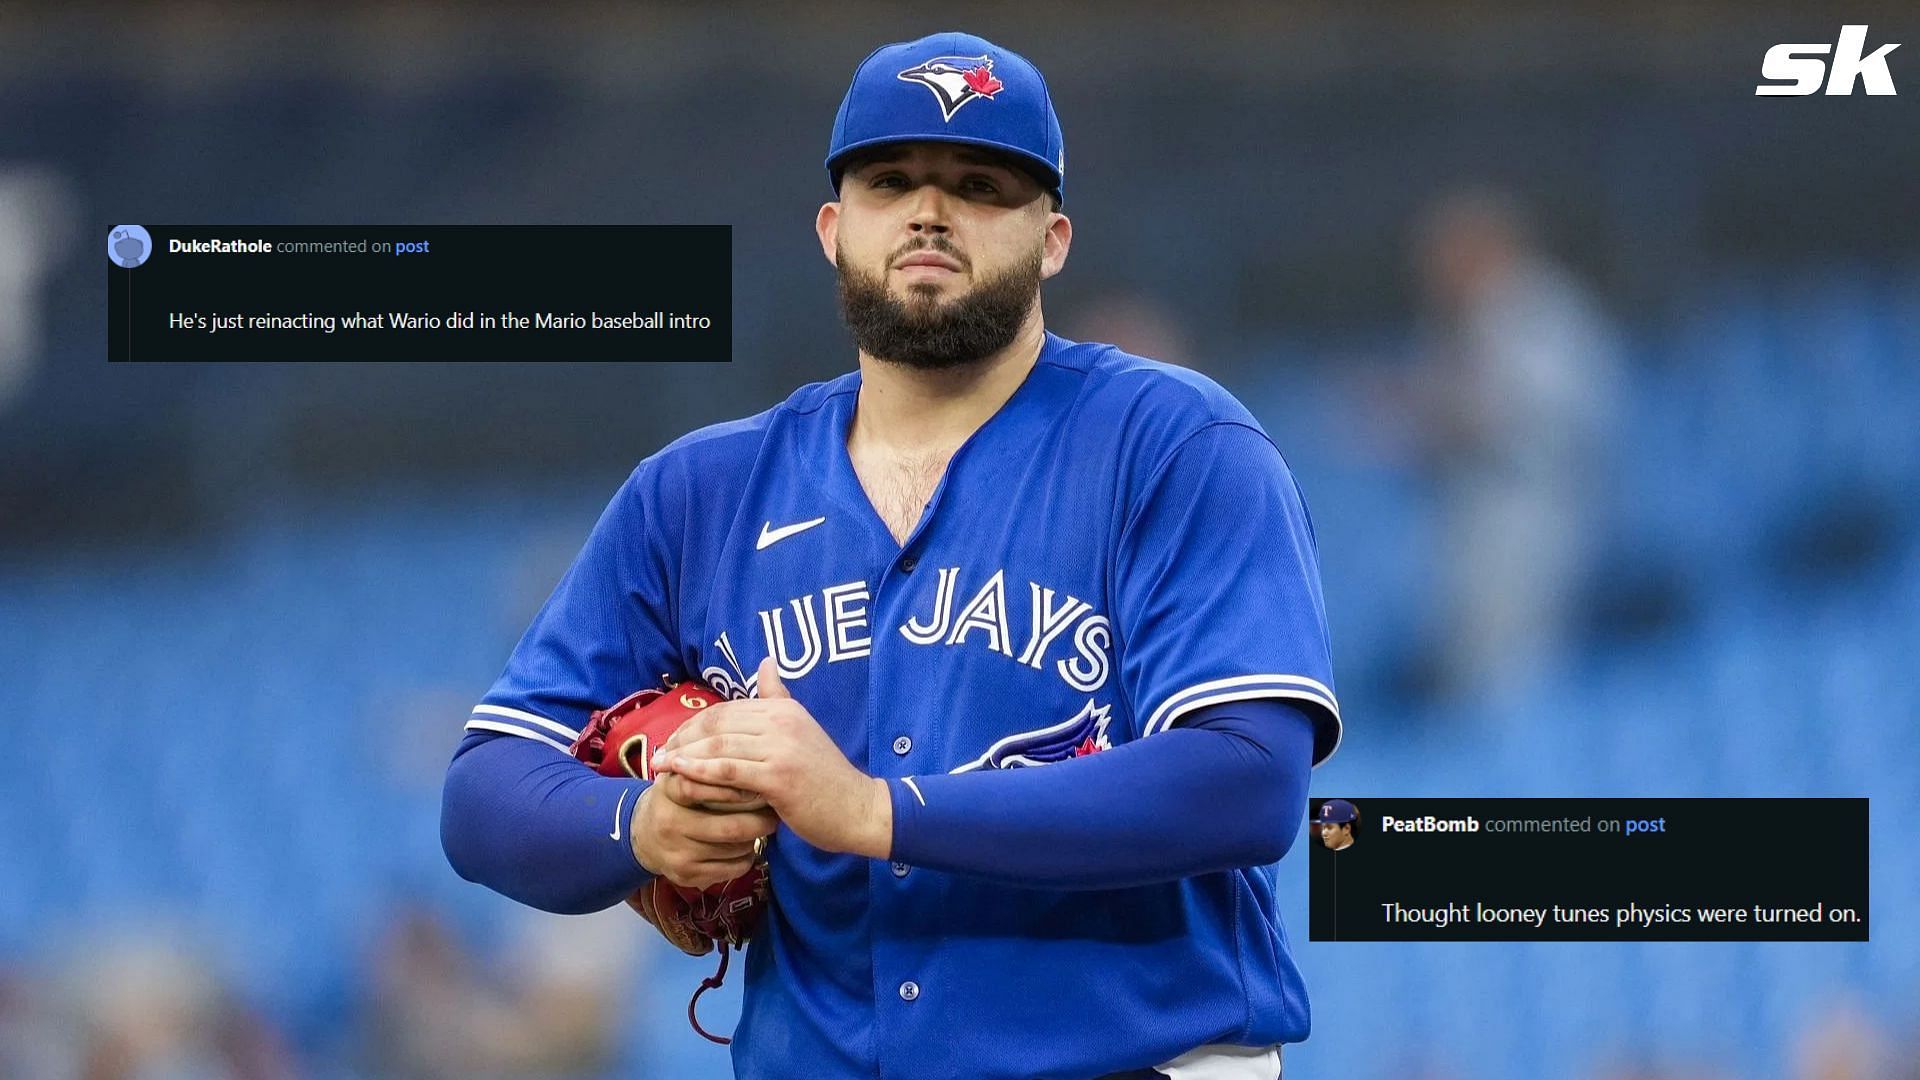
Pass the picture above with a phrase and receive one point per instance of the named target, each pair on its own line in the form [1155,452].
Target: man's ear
[1059,237]
[827,225]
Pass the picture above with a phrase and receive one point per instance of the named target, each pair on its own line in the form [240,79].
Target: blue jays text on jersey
[1118,546]
[833,627]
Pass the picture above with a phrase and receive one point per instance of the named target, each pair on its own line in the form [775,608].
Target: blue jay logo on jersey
[955,80]
[1085,734]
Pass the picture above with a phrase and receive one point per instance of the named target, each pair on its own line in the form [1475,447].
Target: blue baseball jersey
[1119,545]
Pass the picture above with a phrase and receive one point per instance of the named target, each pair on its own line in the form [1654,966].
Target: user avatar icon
[1335,823]
[129,245]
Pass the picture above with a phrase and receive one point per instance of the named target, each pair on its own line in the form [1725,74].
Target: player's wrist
[639,834]
[876,838]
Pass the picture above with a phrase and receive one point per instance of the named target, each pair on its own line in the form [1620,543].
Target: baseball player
[1335,823]
[1022,639]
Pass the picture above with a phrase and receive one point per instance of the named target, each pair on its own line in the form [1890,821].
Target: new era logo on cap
[955,80]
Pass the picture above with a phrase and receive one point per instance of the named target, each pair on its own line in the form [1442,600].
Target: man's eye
[889,180]
[982,185]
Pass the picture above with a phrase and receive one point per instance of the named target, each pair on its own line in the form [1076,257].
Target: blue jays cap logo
[1085,734]
[955,80]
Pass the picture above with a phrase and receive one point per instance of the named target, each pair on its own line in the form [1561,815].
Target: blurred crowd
[153,1009]
[147,1003]
[1507,411]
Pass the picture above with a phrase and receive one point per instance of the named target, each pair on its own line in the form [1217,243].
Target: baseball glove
[619,741]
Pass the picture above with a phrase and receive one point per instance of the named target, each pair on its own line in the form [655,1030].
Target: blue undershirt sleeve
[1226,788]
[539,827]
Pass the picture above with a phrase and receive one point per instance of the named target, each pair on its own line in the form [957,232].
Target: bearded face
[940,250]
[916,323]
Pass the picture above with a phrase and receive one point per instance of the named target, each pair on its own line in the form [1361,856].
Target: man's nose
[929,211]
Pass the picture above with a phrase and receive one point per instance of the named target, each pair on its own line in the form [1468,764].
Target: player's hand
[692,793]
[773,746]
[694,847]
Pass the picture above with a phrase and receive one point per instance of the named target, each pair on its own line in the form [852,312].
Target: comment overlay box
[405,293]
[1413,869]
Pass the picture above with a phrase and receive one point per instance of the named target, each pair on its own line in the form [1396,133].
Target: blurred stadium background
[1601,375]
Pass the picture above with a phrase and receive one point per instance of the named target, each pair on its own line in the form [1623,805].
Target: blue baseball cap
[955,88]
[1336,812]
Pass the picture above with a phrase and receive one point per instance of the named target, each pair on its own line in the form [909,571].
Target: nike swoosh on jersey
[770,536]
[618,820]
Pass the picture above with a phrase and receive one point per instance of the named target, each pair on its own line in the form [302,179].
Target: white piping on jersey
[1269,686]
[527,717]
[1312,690]
[509,729]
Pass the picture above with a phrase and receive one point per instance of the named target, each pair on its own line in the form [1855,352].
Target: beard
[925,333]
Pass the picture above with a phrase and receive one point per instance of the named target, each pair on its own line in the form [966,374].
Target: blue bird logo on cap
[955,80]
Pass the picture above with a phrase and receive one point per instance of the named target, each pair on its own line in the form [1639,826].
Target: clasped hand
[746,756]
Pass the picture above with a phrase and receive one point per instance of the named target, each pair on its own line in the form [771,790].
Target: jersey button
[907,563]
[909,991]
[902,745]
[900,869]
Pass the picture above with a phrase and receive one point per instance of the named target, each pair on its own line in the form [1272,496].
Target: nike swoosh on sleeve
[618,818]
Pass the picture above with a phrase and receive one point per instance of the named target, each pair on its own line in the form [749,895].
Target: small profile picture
[1335,823]
[129,245]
